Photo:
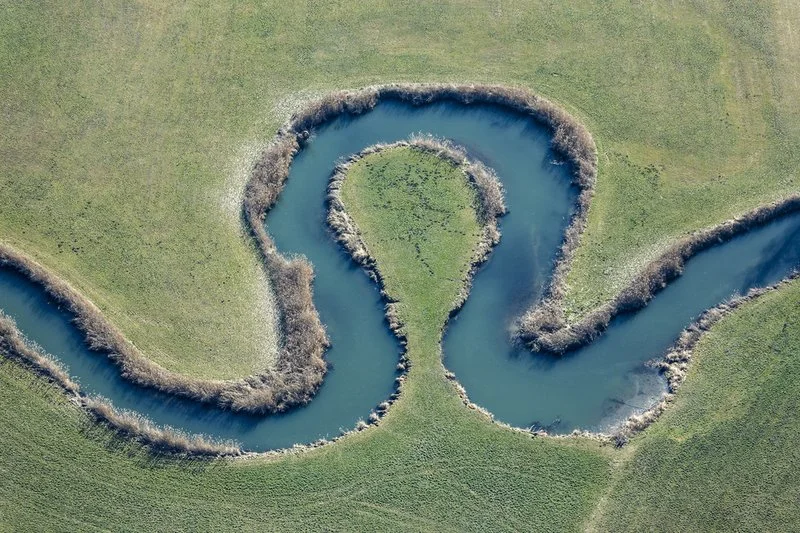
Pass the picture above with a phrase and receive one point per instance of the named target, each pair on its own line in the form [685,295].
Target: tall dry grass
[545,328]
[158,439]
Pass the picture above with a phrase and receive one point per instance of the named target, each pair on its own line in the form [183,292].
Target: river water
[592,388]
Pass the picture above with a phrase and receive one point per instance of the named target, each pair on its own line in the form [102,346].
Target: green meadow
[127,132]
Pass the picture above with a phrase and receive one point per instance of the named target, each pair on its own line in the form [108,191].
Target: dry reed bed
[545,328]
[300,366]
[126,424]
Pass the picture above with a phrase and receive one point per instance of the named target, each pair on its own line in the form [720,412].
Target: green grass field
[128,129]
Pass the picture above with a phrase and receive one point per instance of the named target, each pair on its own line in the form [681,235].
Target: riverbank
[303,340]
[545,327]
[553,188]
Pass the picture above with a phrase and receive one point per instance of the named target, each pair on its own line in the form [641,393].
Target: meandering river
[592,388]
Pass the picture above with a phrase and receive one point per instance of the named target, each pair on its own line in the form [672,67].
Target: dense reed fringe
[304,339]
[158,439]
[544,328]
[300,366]
[675,363]
[127,424]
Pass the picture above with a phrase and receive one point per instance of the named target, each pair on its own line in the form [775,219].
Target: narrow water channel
[592,388]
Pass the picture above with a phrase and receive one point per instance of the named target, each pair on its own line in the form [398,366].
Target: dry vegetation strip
[124,423]
[546,328]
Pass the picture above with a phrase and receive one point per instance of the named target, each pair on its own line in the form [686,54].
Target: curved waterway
[592,388]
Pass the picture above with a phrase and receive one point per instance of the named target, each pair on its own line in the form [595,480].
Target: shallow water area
[591,389]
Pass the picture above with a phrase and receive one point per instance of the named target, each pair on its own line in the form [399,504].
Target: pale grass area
[287,105]
[266,336]
[788,51]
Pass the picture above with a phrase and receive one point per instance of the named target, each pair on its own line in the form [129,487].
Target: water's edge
[251,427]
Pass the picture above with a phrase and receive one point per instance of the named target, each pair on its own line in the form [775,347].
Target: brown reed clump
[157,439]
[544,327]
